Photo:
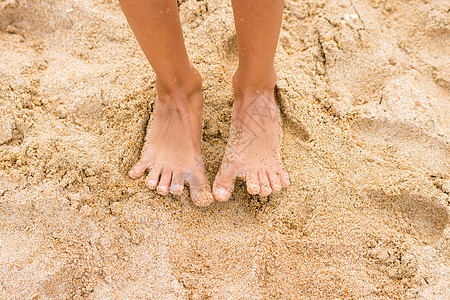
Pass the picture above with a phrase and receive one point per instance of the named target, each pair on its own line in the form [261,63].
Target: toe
[252,183]
[164,182]
[139,168]
[224,184]
[177,183]
[274,180]
[153,176]
[284,178]
[199,188]
[264,183]
[201,196]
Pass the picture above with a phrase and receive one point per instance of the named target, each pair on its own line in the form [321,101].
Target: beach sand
[364,94]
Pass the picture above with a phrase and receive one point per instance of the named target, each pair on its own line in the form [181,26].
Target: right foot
[253,149]
[173,154]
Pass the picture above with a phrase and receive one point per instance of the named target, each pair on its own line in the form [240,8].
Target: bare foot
[253,149]
[173,155]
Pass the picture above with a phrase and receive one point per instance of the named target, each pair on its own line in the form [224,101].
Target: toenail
[151,183]
[222,193]
[162,188]
[253,189]
[266,191]
[203,199]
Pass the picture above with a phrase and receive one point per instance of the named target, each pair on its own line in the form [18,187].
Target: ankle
[247,84]
[179,87]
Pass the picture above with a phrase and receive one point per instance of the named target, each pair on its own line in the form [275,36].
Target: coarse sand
[364,94]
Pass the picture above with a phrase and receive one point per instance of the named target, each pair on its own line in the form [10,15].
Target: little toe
[138,169]
[153,176]
[177,183]
[201,196]
[224,184]
[164,182]
[252,181]
[274,180]
[264,184]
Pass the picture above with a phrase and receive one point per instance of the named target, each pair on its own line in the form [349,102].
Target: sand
[364,92]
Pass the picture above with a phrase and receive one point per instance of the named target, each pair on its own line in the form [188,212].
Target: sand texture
[364,92]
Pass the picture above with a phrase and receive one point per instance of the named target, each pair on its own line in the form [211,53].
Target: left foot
[173,154]
[253,149]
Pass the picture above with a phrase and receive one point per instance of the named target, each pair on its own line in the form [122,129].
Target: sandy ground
[364,91]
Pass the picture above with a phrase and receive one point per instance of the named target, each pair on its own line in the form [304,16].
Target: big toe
[202,197]
[200,188]
[284,178]
[224,184]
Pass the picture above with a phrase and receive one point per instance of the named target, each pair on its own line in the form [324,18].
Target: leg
[253,151]
[173,155]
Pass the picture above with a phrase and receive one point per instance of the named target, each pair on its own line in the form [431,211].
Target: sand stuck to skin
[364,91]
